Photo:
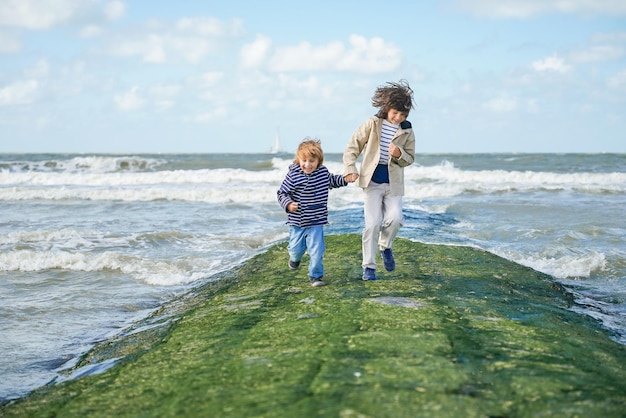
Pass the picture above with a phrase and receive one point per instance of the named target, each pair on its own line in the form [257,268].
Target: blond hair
[309,148]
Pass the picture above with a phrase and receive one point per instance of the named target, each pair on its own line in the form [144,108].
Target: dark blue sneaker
[390,263]
[294,265]
[369,274]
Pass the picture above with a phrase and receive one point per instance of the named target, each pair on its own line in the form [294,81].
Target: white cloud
[129,100]
[159,96]
[527,8]
[362,55]
[373,55]
[114,10]
[254,54]
[611,37]
[210,26]
[9,43]
[18,93]
[208,79]
[217,113]
[91,31]
[305,57]
[192,49]
[502,104]
[597,53]
[618,80]
[40,69]
[45,14]
[532,106]
[165,90]
[33,14]
[553,63]
[189,39]
[163,96]
[150,48]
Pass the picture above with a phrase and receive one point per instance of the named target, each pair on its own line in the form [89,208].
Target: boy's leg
[392,220]
[373,216]
[316,247]
[297,243]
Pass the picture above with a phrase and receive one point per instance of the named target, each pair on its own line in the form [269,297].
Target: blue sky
[207,76]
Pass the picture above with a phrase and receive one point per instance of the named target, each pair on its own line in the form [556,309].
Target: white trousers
[383,218]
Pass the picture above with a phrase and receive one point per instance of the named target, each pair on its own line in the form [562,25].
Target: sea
[91,243]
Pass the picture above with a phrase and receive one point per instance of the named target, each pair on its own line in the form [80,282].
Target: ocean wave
[241,185]
[82,164]
[175,177]
[153,272]
[85,239]
[217,195]
[445,180]
[563,266]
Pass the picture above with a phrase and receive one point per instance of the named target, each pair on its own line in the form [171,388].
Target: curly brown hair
[310,148]
[398,96]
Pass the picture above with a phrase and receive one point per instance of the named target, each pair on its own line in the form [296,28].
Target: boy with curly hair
[387,143]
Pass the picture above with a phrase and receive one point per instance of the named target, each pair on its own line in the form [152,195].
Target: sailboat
[277,147]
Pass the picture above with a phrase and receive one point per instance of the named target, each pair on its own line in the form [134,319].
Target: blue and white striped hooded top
[310,192]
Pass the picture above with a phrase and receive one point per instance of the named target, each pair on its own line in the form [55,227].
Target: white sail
[277,147]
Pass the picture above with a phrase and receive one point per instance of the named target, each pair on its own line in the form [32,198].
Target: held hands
[292,207]
[394,151]
[351,178]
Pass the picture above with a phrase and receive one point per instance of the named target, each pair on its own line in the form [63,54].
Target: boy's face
[308,164]
[396,117]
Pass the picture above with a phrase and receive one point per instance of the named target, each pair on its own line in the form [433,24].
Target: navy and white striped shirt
[310,192]
[387,132]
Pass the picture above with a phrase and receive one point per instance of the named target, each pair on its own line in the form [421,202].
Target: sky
[524,76]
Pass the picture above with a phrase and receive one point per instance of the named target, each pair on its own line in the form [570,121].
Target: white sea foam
[83,164]
[446,180]
[564,266]
[239,185]
[248,194]
[176,177]
[73,238]
[153,272]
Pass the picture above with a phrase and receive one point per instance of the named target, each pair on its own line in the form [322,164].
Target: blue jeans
[309,239]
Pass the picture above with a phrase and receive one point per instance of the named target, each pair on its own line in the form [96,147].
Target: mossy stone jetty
[452,332]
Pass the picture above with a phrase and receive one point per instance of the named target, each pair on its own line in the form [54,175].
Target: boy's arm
[336,180]
[407,152]
[355,147]
[284,193]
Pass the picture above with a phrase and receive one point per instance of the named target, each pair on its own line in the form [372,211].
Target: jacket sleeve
[355,147]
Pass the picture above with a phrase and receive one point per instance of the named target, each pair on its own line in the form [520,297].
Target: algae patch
[453,331]
[399,301]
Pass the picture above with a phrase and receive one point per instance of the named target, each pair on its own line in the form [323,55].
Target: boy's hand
[292,207]
[351,178]
[394,151]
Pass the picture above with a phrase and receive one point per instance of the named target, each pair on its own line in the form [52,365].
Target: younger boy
[303,194]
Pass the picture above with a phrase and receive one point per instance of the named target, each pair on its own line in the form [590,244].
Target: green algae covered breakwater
[453,332]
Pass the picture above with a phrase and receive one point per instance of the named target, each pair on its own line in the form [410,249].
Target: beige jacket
[366,140]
